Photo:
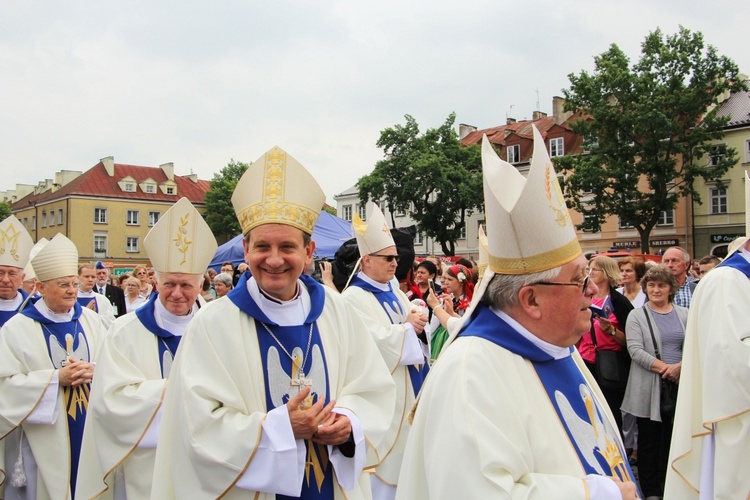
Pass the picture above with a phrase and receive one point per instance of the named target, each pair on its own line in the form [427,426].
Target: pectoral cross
[300,383]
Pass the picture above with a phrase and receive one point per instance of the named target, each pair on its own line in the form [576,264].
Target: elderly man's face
[10,281]
[277,256]
[675,261]
[179,291]
[101,277]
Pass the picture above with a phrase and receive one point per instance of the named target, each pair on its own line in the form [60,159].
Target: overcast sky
[201,83]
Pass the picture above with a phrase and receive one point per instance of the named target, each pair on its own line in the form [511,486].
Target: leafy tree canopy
[5,211]
[648,129]
[430,175]
[219,214]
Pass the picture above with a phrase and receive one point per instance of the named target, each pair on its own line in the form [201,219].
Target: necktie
[101,290]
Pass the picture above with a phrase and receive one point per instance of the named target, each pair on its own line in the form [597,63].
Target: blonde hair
[610,268]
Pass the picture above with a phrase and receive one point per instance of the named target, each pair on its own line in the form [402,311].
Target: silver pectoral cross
[301,381]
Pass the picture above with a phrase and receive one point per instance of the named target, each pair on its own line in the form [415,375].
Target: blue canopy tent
[329,234]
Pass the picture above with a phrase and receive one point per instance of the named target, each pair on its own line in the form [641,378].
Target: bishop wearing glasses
[398,329]
[510,410]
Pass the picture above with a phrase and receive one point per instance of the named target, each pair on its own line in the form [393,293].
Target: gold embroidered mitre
[277,189]
[484,254]
[56,259]
[529,229]
[373,235]
[181,241]
[15,243]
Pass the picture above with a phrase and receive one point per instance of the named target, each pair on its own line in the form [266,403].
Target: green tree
[5,211]
[220,215]
[430,176]
[648,130]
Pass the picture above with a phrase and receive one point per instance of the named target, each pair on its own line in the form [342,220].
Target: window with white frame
[588,219]
[417,238]
[130,186]
[170,190]
[514,153]
[150,188]
[100,245]
[462,236]
[347,212]
[666,218]
[51,218]
[100,216]
[59,216]
[621,224]
[133,218]
[153,218]
[556,147]
[33,222]
[717,154]
[26,222]
[44,219]
[131,244]
[362,211]
[718,198]
[400,212]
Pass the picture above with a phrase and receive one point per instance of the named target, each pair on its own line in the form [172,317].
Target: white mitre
[277,189]
[181,241]
[373,235]
[15,243]
[56,259]
[28,271]
[529,229]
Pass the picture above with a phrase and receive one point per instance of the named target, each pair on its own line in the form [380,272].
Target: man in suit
[114,293]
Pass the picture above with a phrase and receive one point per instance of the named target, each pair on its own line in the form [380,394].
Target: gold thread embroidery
[561,215]
[10,235]
[181,241]
[535,263]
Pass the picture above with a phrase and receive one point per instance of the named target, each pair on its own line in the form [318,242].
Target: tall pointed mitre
[56,259]
[373,235]
[181,241]
[15,243]
[530,229]
[28,271]
[484,254]
[277,189]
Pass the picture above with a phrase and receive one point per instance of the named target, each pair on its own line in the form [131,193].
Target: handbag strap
[651,329]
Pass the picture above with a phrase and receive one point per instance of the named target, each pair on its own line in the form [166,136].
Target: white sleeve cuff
[348,470]
[152,433]
[279,463]
[48,408]
[412,353]
[602,487]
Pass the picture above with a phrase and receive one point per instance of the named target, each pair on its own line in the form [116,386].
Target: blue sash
[85,301]
[63,340]
[395,312]
[738,262]
[6,315]
[167,342]
[590,432]
[281,372]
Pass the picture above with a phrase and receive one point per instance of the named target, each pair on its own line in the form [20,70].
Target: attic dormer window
[129,186]
[150,188]
[170,190]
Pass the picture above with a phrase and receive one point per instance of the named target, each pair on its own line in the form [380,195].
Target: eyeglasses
[584,283]
[64,285]
[389,258]
[593,269]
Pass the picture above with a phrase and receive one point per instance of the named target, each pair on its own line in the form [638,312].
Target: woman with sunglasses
[141,273]
[451,305]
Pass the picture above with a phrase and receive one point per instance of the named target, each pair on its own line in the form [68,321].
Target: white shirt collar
[88,294]
[11,304]
[172,323]
[556,352]
[284,313]
[45,311]
[380,286]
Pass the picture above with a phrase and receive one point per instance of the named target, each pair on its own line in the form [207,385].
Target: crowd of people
[534,373]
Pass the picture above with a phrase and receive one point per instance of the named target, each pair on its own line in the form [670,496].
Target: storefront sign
[663,243]
[724,238]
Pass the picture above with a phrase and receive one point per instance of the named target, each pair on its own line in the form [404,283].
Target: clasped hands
[318,422]
[75,372]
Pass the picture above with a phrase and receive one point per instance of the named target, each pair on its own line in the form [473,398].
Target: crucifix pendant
[301,382]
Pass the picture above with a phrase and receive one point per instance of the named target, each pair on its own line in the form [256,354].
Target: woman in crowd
[607,331]
[141,273]
[124,282]
[133,297]
[424,277]
[632,270]
[222,284]
[458,289]
[666,322]
[207,292]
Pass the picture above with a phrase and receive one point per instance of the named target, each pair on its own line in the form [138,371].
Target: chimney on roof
[109,165]
[168,169]
[536,115]
[193,177]
[464,130]
[558,110]
[510,121]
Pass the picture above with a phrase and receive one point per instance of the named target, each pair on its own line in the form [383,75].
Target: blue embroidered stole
[6,315]
[589,430]
[737,261]
[66,340]
[282,373]
[167,342]
[85,301]
[393,308]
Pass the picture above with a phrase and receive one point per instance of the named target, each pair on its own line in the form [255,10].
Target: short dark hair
[708,259]
[429,266]
[227,263]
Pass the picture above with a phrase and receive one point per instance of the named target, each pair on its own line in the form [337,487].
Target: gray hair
[224,278]
[502,290]
[685,254]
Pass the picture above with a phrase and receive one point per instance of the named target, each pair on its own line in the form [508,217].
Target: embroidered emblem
[181,241]
[9,236]
[558,203]
[76,399]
